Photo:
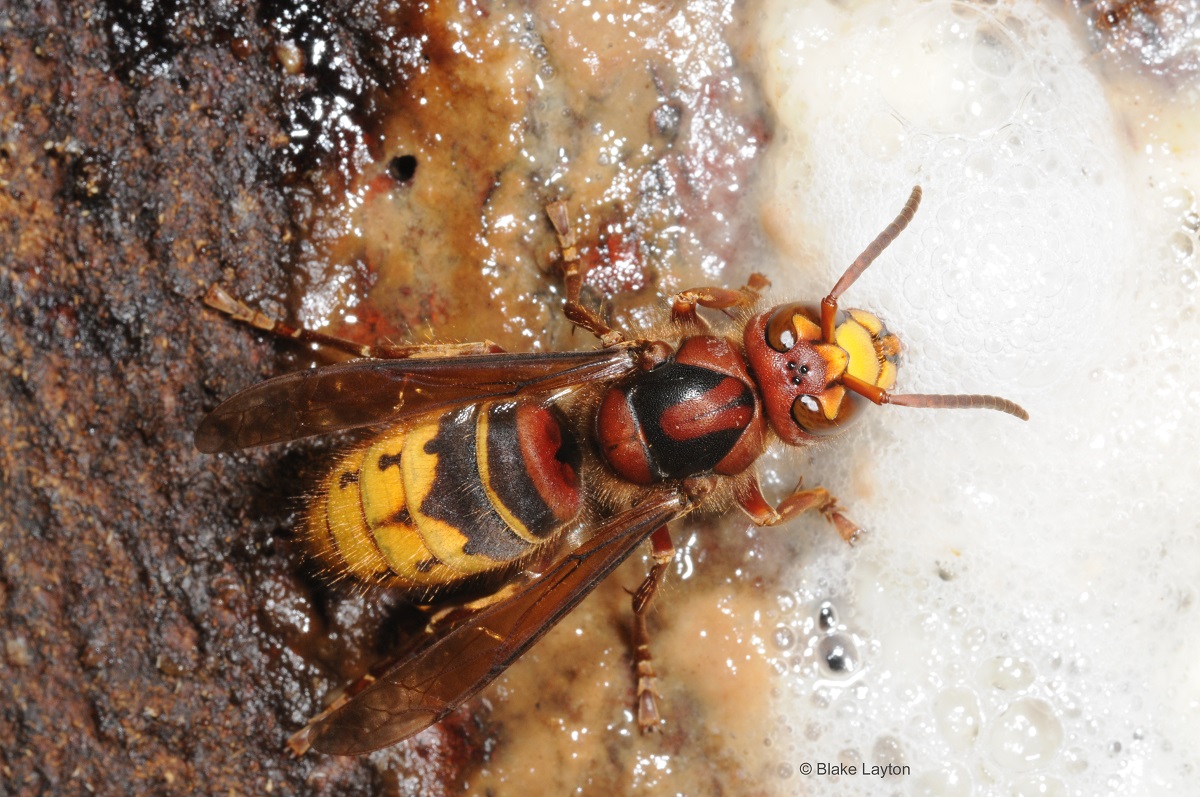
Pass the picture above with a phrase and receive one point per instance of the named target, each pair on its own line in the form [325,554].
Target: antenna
[876,394]
[955,401]
[830,303]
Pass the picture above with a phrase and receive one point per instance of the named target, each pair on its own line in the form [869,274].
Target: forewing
[368,392]
[425,687]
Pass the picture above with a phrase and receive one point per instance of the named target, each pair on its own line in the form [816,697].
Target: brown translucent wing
[430,683]
[367,392]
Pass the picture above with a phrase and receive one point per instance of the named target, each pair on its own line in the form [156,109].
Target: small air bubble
[888,751]
[783,638]
[958,717]
[838,655]
[1182,245]
[827,617]
[1007,673]
[1188,278]
[994,52]
[1179,199]
[785,771]
[974,638]
[1191,221]
[1071,705]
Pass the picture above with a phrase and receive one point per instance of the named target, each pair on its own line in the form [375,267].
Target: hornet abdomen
[470,492]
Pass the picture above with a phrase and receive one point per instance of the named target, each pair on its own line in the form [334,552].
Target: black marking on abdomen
[509,477]
[401,517]
[457,495]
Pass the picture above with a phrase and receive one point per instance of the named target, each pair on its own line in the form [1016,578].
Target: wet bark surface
[156,622]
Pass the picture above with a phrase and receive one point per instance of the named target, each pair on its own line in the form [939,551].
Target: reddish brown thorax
[696,413]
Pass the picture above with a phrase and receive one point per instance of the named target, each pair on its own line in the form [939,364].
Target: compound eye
[788,325]
[826,414]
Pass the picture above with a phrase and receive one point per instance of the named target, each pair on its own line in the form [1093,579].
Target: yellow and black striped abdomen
[468,492]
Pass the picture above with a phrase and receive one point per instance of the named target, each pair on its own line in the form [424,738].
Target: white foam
[1024,610]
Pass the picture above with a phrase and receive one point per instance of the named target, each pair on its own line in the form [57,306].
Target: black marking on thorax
[666,388]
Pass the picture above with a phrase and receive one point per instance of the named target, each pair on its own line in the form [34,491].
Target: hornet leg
[751,500]
[218,299]
[683,305]
[663,551]
[573,272]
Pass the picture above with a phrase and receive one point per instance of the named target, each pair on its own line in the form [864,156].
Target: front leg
[683,305]
[573,272]
[751,500]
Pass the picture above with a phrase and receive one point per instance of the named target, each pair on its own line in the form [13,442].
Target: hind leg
[663,551]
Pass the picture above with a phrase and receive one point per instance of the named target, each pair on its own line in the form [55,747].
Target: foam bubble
[952,68]
[1007,673]
[1039,786]
[839,656]
[1025,736]
[950,781]
[958,717]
